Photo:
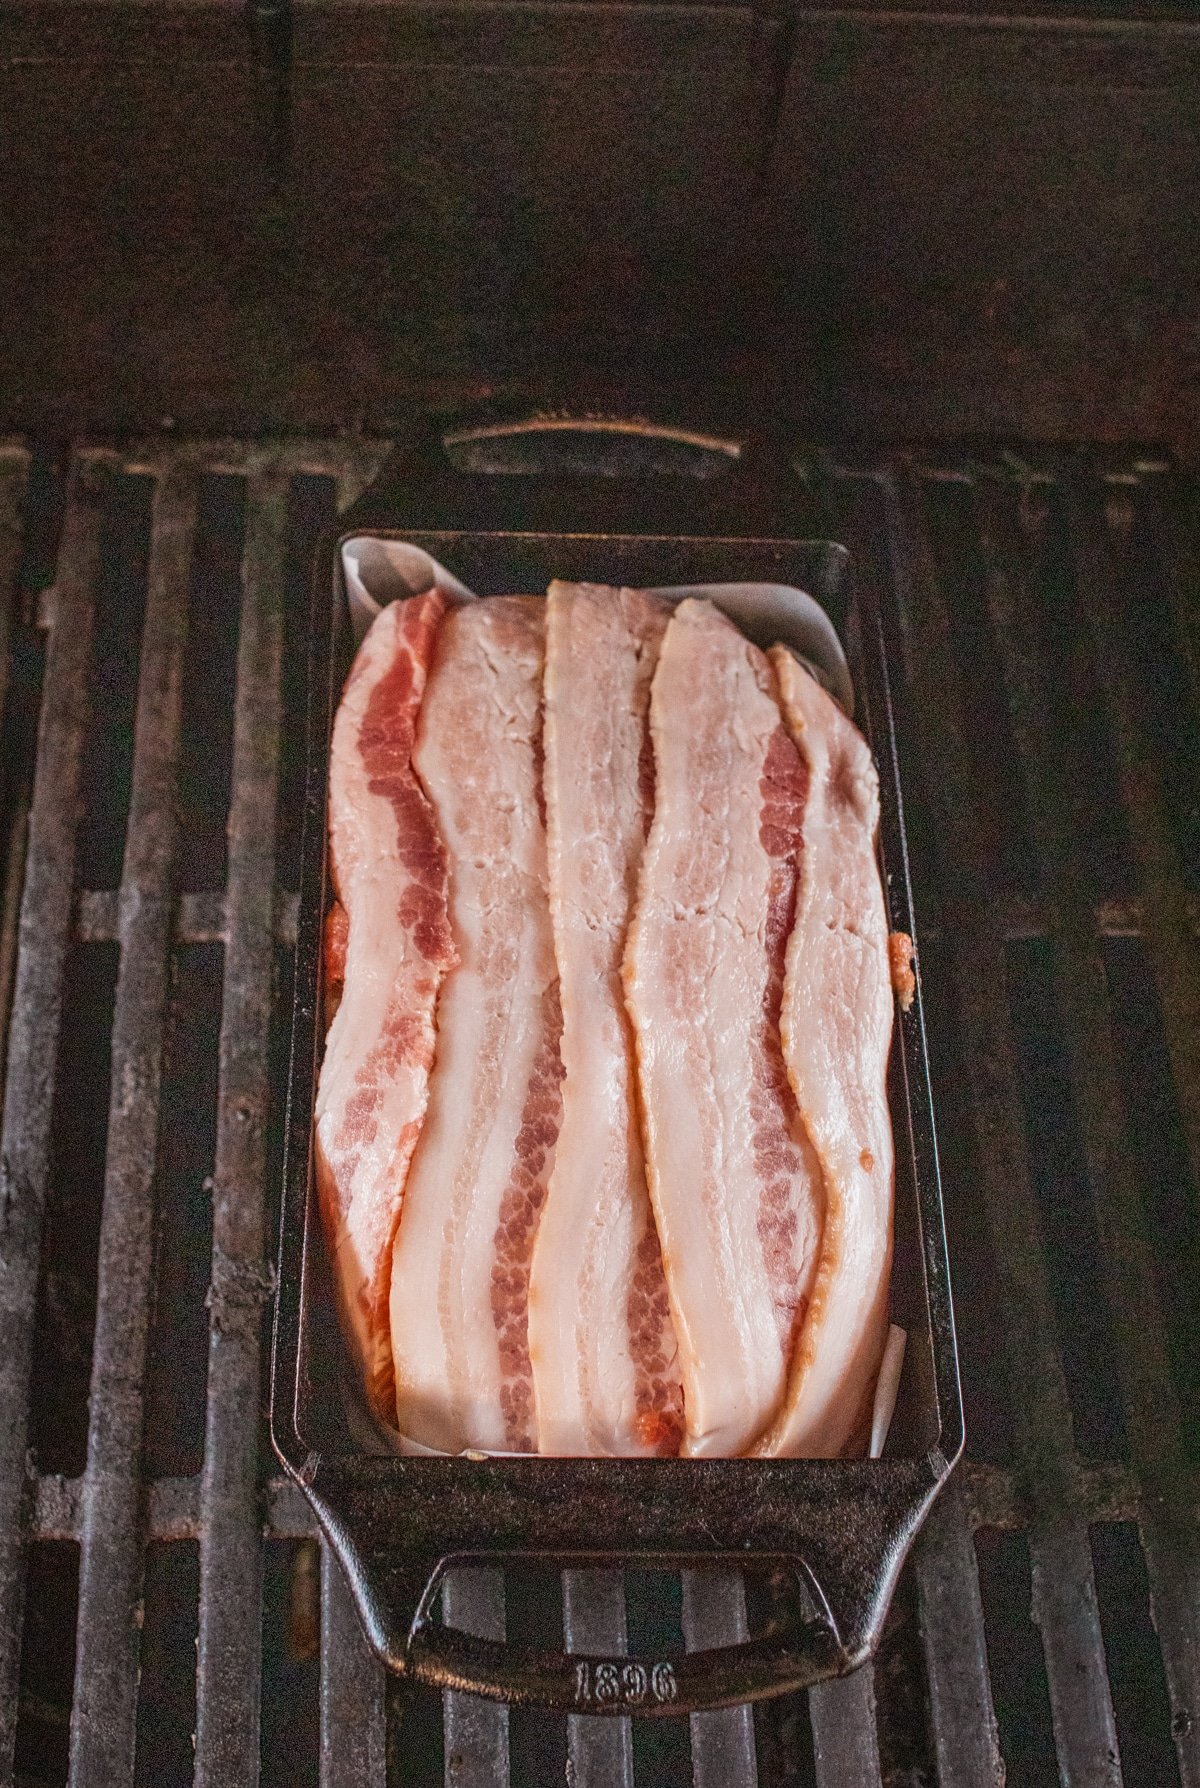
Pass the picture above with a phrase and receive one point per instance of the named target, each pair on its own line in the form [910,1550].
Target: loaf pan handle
[806,1640]
[832,1578]
[590,444]
[793,1656]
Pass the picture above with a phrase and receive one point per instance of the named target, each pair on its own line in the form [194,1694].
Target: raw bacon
[837,1026]
[460,1280]
[736,1187]
[387,946]
[601,1340]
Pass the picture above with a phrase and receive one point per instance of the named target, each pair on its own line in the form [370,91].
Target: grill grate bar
[714,1613]
[1173,1566]
[14,476]
[1152,1415]
[1167,911]
[951,1611]
[1081,1704]
[353,1716]
[1182,567]
[476,1731]
[229,1653]
[44,940]
[600,1751]
[13,847]
[104,1706]
[845,1741]
[1064,1609]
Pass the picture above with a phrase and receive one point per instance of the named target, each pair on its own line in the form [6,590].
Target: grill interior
[158,1580]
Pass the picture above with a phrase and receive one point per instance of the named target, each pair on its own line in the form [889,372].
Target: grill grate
[1052,651]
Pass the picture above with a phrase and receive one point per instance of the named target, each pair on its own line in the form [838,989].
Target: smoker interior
[1050,765]
[920,280]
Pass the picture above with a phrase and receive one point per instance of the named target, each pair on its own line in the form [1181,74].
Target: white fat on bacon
[387,946]
[735,1184]
[837,1027]
[601,1340]
[460,1278]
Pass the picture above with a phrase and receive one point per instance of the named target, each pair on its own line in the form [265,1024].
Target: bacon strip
[460,1280]
[837,1027]
[387,946]
[735,1185]
[601,1338]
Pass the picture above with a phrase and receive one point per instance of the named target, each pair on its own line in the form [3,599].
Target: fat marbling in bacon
[387,946]
[735,1184]
[460,1280]
[601,1338]
[837,1028]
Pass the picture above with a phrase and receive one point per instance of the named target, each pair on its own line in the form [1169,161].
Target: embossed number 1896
[623,1685]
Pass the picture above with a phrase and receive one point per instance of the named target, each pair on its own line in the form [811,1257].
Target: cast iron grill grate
[157,1578]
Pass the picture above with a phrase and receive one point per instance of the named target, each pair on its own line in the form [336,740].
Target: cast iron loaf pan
[840,1528]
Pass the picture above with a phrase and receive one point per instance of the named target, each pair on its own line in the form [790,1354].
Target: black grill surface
[166,1614]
